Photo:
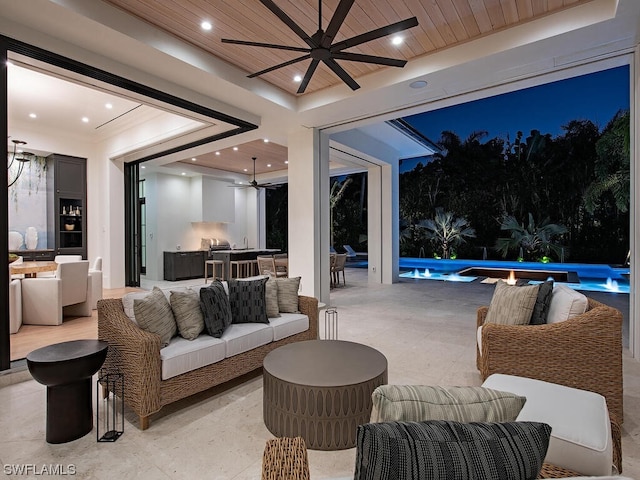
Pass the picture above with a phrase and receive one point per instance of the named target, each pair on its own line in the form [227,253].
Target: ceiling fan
[253,182]
[322,48]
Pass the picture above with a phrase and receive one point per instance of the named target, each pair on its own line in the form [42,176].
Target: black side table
[66,369]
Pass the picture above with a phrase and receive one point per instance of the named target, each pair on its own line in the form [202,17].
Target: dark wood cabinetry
[66,203]
[183,265]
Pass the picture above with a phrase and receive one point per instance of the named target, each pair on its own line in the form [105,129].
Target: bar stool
[215,264]
[243,268]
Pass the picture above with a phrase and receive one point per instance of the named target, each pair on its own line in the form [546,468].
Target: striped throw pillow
[416,403]
[186,309]
[462,451]
[512,305]
[153,314]
[288,294]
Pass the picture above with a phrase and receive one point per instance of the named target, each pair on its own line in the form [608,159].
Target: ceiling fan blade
[336,22]
[308,75]
[340,72]
[357,57]
[266,45]
[288,22]
[374,34]
[275,67]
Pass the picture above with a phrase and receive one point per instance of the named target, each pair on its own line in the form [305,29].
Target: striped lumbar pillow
[439,449]
[512,305]
[416,403]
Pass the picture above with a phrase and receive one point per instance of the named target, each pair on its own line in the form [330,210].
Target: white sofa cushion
[288,324]
[581,430]
[565,303]
[182,355]
[242,337]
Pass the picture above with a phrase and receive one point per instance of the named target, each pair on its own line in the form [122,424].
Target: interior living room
[186,102]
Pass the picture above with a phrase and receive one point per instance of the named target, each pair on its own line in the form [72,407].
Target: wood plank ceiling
[442,24]
[270,156]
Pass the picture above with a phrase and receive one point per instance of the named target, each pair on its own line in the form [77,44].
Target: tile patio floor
[426,329]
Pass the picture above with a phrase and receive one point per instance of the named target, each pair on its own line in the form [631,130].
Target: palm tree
[447,231]
[535,240]
[612,165]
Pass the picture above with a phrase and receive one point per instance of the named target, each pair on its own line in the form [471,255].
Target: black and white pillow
[543,302]
[441,449]
[248,302]
[216,309]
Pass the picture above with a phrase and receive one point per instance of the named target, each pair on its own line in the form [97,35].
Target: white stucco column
[374,223]
[309,211]
[390,213]
[634,117]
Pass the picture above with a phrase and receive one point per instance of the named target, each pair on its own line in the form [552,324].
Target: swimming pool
[579,276]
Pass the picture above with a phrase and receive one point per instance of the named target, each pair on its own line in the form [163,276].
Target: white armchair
[46,299]
[15,306]
[95,272]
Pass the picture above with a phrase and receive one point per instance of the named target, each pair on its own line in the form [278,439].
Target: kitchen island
[239,254]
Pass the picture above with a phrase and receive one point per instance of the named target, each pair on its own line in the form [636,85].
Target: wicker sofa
[136,353]
[583,352]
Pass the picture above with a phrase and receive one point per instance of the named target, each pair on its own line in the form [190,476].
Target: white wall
[169,217]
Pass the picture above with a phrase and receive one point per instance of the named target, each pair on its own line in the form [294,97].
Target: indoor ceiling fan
[253,183]
[321,46]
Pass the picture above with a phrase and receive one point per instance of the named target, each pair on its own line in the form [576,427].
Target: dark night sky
[596,97]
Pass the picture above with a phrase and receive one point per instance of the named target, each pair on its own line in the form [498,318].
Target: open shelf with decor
[67,196]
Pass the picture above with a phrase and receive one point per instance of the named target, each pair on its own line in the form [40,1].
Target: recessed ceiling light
[85,119]
[418,84]
[286,162]
[266,140]
[217,153]
[108,106]
[33,115]
[297,78]
[397,40]
[183,173]
[235,149]
[245,170]
[269,165]
[205,25]
[193,159]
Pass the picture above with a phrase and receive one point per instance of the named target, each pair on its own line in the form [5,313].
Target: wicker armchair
[583,352]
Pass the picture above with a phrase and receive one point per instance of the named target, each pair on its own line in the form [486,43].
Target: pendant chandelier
[18,155]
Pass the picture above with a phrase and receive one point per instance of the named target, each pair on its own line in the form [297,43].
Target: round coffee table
[66,369]
[321,390]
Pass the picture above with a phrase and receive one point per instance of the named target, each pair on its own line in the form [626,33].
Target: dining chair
[45,300]
[266,265]
[338,266]
[281,261]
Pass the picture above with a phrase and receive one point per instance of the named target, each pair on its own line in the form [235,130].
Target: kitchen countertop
[247,250]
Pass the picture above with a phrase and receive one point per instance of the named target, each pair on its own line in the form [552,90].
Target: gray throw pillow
[153,314]
[543,302]
[247,299]
[186,310]
[440,449]
[512,305]
[288,294]
[216,308]
[271,297]
[418,403]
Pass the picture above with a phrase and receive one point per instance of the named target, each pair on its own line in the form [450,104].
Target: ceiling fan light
[205,25]
[397,40]
[297,78]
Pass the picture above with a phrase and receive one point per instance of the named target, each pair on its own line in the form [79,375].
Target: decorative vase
[31,238]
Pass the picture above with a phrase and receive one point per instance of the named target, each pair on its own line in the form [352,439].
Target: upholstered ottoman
[581,430]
